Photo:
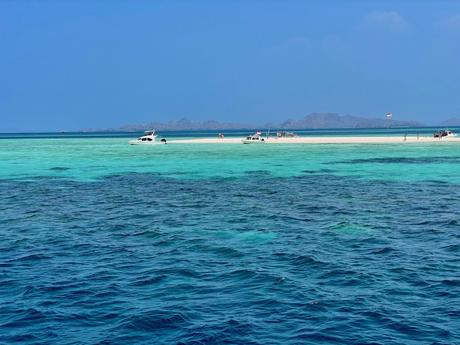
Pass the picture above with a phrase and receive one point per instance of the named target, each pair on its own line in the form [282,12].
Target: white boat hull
[247,141]
[138,142]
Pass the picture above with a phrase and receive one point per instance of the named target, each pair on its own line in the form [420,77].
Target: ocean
[106,243]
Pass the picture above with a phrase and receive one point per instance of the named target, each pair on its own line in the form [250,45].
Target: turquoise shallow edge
[88,159]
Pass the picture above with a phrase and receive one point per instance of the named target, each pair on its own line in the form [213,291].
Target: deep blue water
[254,259]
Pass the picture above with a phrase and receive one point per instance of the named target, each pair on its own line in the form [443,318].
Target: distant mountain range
[185,124]
[332,120]
[313,121]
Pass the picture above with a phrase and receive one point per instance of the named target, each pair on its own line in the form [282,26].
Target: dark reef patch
[403,160]
[59,168]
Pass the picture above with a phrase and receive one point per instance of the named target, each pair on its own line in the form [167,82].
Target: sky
[69,65]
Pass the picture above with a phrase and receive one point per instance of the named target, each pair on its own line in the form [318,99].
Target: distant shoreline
[246,130]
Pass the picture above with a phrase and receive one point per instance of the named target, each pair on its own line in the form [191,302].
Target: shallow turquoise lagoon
[90,159]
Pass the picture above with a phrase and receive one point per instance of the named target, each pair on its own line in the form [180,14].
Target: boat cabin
[145,139]
[254,138]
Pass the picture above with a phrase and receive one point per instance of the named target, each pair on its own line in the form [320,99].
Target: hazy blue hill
[185,124]
[333,120]
[313,120]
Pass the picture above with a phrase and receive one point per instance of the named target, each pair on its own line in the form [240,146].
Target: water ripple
[257,259]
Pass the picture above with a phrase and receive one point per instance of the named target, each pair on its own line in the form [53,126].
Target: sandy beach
[324,140]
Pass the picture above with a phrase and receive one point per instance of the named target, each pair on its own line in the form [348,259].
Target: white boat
[256,138]
[149,138]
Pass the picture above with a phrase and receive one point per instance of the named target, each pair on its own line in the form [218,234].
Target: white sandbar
[323,140]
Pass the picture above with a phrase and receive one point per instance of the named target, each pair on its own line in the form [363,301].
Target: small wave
[22,338]
[230,331]
[59,168]
[179,271]
[154,321]
[451,282]
[338,273]
[144,281]
[24,318]
[308,337]
[319,171]
[300,259]
[251,236]
[219,250]
[258,172]
[146,233]
[452,248]
[31,257]
[453,222]
[384,250]
[350,228]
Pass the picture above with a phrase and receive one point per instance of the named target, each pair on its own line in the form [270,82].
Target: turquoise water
[90,159]
[102,242]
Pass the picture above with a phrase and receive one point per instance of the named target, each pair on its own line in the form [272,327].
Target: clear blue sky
[66,65]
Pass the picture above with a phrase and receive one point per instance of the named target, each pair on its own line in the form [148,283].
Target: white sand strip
[323,140]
